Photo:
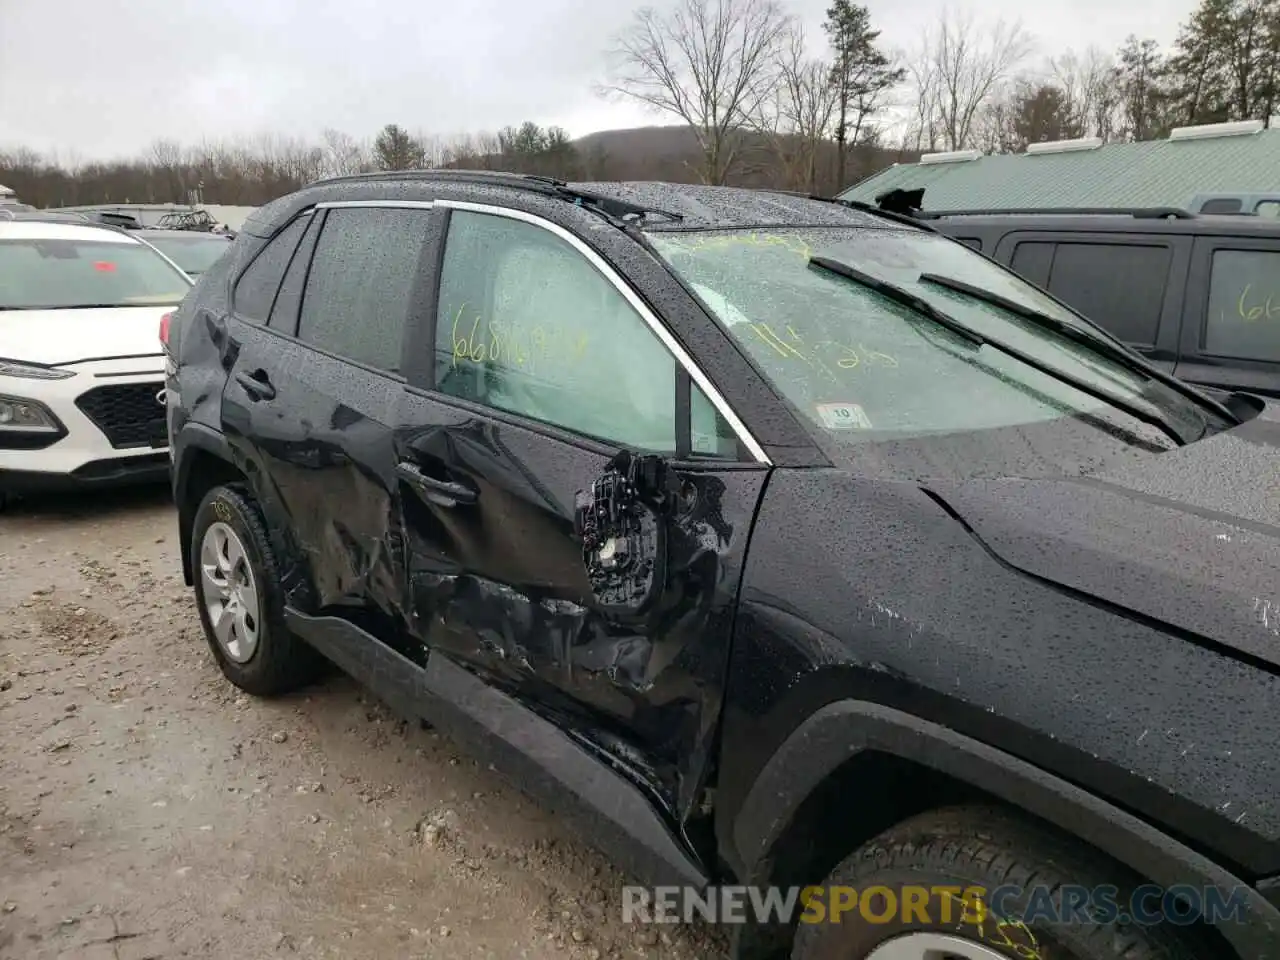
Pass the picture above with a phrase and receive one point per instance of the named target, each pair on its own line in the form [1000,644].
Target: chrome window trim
[655,325]
[408,204]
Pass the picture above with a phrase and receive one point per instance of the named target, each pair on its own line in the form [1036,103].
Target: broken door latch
[621,522]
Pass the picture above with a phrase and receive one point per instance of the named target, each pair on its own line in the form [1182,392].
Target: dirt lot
[149,811]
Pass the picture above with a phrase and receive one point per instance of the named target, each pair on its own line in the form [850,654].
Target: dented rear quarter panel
[869,589]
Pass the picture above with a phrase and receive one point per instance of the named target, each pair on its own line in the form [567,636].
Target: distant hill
[671,153]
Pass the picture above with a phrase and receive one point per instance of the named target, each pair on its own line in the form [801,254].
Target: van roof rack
[1142,213]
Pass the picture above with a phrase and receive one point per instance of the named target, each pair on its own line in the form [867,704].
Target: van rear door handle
[443,493]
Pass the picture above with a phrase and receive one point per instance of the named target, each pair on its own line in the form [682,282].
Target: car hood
[1189,539]
[55,337]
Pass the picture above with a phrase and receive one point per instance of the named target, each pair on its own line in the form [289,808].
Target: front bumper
[109,433]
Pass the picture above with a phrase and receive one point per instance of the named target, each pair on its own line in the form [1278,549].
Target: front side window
[528,325]
[1244,305]
[360,281]
[863,368]
[66,274]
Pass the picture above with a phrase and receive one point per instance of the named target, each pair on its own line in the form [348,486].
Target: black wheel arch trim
[196,436]
[191,437]
[839,731]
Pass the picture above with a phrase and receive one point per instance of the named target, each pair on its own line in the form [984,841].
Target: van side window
[1032,261]
[1119,286]
[255,291]
[1244,305]
[1221,205]
[362,274]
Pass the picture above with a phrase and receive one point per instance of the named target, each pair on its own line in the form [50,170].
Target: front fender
[841,730]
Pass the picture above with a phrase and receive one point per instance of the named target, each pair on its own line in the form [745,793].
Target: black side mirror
[622,525]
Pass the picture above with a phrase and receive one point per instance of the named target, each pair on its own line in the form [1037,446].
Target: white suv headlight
[26,416]
[27,371]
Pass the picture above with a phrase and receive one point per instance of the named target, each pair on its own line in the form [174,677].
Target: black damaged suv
[776,541]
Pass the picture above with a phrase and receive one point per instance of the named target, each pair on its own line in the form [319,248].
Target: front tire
[975,847]
[240,602]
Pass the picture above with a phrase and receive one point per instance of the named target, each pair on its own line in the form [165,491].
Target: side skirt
[531,752]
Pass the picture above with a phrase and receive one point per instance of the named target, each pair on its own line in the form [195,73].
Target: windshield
[195,255]
[865,369]
[51,274]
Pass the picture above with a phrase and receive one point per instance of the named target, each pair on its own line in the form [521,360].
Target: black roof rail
[620,211]
[496,177]
[902,218]
[1143,213]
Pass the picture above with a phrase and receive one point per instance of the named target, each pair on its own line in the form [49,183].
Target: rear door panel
[313,430]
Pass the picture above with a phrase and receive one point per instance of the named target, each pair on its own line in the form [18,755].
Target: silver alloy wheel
[932,946]
[230,592]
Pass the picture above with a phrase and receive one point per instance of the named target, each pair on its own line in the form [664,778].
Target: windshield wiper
[1085,337]
[908,299]
[899,295]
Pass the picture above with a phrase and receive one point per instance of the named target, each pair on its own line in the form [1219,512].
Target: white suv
[81,363]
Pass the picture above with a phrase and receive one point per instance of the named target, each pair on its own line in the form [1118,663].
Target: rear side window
[361,278]
[284,312]
[1118,286]
[257,286]
[1268,208]
[1244,305]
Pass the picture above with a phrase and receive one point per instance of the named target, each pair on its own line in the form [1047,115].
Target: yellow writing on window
[823,356]
[476,341]
[752,238]
[1252,308]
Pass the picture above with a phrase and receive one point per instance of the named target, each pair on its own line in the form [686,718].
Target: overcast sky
[104,78]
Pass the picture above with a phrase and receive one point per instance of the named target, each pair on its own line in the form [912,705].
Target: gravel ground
[147,810]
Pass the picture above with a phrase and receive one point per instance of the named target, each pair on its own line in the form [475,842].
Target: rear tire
[240,602]
[988,848]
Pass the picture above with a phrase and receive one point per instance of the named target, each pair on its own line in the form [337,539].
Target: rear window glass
[195,255]
[45,274]
[1244,305]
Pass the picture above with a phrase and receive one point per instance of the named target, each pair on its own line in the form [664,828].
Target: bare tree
[957,68]
[1091,96]
[798,118]
[709,62]
[343,154]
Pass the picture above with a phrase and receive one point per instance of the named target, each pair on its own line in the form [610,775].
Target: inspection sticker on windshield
[843,416]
